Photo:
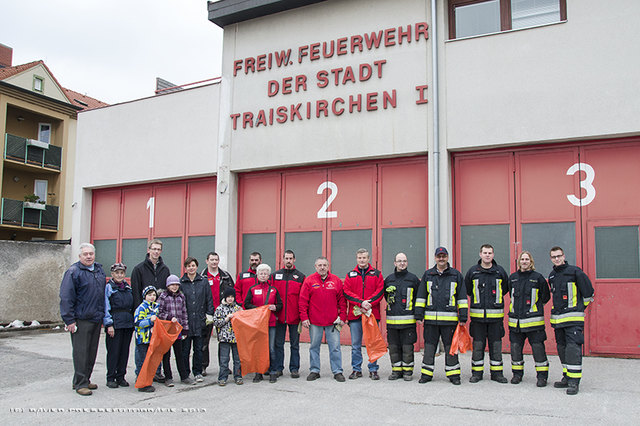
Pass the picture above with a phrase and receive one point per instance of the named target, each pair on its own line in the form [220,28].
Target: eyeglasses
[401,261]
[557,256]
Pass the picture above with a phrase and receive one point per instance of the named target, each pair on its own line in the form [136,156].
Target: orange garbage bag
[251,328]
[372,337]
[461,341]
[162,337]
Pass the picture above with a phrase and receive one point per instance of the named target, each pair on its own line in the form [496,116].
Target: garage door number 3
[586,184]
[323,213]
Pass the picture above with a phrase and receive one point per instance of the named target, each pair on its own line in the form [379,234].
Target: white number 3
[323,213]
[586,184]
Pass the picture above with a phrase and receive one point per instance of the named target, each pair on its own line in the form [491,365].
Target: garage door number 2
[586,184]
[323,213]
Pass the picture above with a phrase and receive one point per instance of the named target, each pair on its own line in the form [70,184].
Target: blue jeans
[140,355]
[224,349]
[294,344]
[333,340]
[272,350]
[196,366]
[356,347]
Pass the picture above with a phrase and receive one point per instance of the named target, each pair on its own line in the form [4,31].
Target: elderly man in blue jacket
[82,310]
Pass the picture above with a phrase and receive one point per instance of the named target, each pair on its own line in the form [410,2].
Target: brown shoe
[92,386]
[84,391]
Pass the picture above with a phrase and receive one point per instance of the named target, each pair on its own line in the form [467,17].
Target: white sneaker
[199,378]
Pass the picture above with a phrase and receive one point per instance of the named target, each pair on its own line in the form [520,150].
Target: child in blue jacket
[144,318]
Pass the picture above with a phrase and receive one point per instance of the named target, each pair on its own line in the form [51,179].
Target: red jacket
[357,289]
[243,282]
[288,282]
[322,301]
[257,296]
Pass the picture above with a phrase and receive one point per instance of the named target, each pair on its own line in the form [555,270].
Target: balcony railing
[17,148]
[15,213]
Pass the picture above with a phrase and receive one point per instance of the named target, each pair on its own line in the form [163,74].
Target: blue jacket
[82,294]
[142,319]
[118,310]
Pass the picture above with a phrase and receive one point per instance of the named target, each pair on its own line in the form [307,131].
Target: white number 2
[151,203]
[323,213]
[586,184]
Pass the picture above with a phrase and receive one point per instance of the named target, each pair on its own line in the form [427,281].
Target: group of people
[324,303]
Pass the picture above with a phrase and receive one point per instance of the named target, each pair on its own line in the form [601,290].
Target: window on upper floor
[469,18]
[38,84]
[44,132]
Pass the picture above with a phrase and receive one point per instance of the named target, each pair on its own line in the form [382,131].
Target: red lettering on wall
[295,111]
[348,76]
[260,63]
[422,94]
[286,85]
[365,72]
[390,37]
[247,118]
[301,81]
[336,73]
[421,29]
[314,51]
[324,49]
[234,119]
[261,118]
[379,65]
[356,42]
[249,65]
[373,39]
[281,112]
[321,106]
[404,34]
[322,78]
[302,52]
[372,101]
[334,108]
[389,99]
[355,103]
[342,46]
[272,88]
[282,57]
[237,66]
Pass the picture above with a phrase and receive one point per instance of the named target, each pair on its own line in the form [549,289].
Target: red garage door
[535,198]
[333,211]
[181,214]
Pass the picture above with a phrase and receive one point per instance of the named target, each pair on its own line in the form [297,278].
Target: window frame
[41,80]
[40,131]
[505,15]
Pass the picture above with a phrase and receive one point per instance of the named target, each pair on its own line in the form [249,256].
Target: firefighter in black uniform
[442,303]
[528,291]
[486,283]
[572,292]
[400,291]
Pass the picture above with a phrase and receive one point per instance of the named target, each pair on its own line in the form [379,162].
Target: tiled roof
[75,98]
[83,101]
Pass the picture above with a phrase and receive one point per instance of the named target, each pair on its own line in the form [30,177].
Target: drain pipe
[436,124]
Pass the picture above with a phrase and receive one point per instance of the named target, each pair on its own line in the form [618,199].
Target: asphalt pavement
[35,388]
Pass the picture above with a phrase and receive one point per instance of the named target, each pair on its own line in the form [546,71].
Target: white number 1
[151,202]
[586,184]
[323,213]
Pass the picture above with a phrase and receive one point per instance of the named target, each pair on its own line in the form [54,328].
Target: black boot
[517,378]
[573,387]
[475,377]
[564,383]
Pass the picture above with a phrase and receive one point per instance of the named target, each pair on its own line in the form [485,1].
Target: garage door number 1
[323,213]
[586,184]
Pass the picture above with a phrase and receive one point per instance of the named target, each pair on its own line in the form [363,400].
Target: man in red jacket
[363,289]
[246,279]
[288,281]
[323,310]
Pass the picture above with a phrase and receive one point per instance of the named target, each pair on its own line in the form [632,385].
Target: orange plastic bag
[251,328]
[372,337]
[162,337]
[461,341]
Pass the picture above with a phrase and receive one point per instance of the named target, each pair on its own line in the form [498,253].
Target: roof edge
[227,12]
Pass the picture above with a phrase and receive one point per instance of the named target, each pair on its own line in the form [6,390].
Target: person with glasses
[400,291]
[572,292]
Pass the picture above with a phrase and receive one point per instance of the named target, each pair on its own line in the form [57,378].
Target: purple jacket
[173,305]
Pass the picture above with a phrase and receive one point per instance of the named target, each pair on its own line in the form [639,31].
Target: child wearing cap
[118,325]
[144,318]
[222,321]
[173,307]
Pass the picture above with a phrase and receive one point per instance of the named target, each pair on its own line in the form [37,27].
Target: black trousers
[432,334]
[401,342]
[178,353]
[483,332]
[118,353]
[206,339]
[536,340]
[569,341]
[84,343]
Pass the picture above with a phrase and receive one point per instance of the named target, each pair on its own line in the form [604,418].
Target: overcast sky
[113,50]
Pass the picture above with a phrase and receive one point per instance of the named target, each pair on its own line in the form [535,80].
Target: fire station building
[392,125]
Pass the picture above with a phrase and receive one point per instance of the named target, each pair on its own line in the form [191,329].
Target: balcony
[17,213]
[31,152]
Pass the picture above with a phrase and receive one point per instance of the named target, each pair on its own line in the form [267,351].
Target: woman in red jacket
[263,292]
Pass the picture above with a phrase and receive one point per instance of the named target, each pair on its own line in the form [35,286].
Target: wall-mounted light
[20,118]
[16,179]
